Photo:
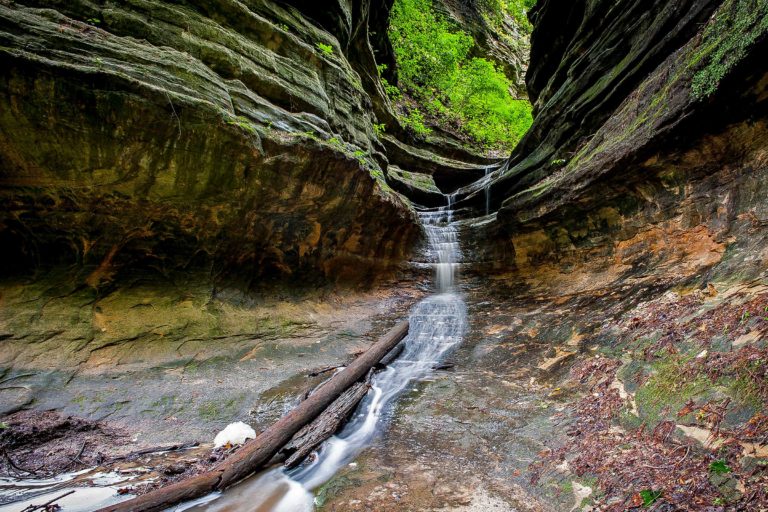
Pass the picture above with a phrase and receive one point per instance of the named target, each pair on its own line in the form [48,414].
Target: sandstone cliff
[163,136]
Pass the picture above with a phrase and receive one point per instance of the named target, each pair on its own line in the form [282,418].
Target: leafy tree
[518,9]
[435,68]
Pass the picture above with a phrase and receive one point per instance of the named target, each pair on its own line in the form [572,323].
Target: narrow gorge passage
[437,326]
[216,218]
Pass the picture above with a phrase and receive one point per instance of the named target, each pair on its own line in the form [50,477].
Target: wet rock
[174,469]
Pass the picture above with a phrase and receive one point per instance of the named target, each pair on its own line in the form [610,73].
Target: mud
[45,443]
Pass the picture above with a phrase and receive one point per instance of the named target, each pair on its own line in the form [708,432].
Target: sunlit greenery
[435,69]
[518,9]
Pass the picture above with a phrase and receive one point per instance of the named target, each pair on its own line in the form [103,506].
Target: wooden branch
[157,449]
[257,452]
[325,425]
[15,466]
[47,504]
[324,370]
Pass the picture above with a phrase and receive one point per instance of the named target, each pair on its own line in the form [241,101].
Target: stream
[437,325]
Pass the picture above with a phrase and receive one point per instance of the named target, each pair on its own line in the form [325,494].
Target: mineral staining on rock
[169,137]
[177,177]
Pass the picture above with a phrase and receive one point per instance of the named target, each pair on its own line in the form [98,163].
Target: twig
[15,466]
[323,370]
[157,449]
[684,457]
[45,505]
[76,458]
[676,463]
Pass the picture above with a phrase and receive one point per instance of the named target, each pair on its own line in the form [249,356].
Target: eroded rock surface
[172,136]
[616,286]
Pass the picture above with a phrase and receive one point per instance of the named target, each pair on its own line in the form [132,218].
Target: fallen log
[325,425]
[257,452]
[391,356]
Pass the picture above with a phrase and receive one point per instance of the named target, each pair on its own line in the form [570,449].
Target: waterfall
[487,187]
[437,325]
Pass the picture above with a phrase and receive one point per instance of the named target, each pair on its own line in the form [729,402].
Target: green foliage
[414,121]
[744,317]
[739,23]
[379,129]
[360,156]
[480,94]
[719,467]
[518,9]
[325,48]
[93,21]
[434,66]
[427,47]
[309,134]
[649,496]
[392,91]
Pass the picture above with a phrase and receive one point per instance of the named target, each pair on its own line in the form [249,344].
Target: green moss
[212,410]
[668,389]
[244,123]
[415,179]
[736,27]
[164,403]
[209,410]
[334,487]
[744,390]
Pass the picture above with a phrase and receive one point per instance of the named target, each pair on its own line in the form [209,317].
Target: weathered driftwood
[257,452]
[325,425]
[47,504]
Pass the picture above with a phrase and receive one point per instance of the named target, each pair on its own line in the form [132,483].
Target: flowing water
[437,325]
[487,187]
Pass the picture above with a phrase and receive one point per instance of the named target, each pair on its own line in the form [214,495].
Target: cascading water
[487,188]
[437,325]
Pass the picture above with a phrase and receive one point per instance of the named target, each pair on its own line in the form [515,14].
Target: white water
[437,325]
[487,187]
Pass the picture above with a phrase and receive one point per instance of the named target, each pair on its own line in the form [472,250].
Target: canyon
[206,202]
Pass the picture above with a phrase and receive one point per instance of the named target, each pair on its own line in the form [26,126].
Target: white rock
[234,434]
[702,354]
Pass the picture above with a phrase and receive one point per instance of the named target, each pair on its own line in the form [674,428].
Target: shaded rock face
[647,154]
[160,137]
[601,51]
